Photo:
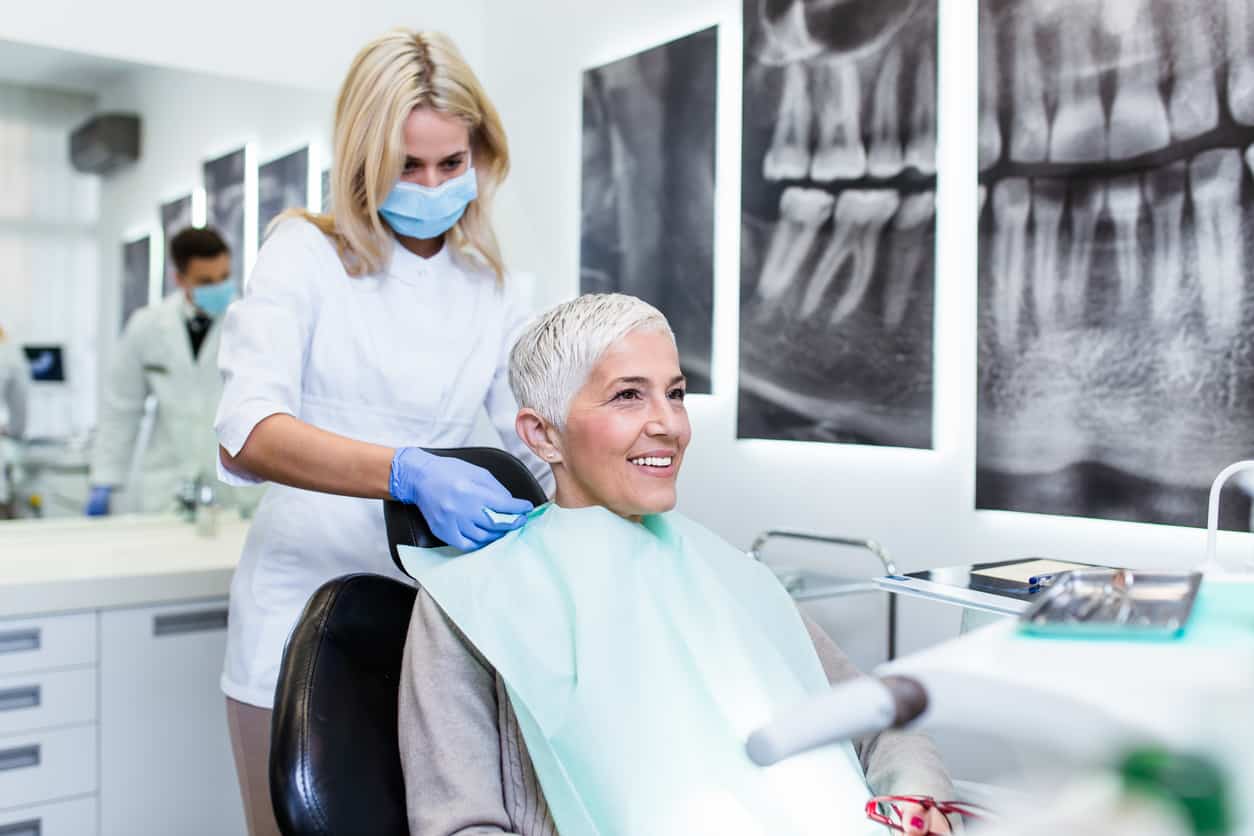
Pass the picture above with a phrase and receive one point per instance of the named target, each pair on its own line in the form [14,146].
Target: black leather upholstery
[406,524]
[335,765]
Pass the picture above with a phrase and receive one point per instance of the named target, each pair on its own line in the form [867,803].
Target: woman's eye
[452,166]
[677,394]
[627,395]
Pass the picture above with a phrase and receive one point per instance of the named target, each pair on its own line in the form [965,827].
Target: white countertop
[49,566]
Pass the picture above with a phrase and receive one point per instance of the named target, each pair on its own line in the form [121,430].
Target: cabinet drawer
[46,699]
[37,644]
[44,766]
[65,818]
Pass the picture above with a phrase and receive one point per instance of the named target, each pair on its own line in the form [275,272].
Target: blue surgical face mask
[423,212]
[213,298]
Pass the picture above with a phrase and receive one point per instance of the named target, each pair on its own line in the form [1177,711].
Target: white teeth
[653,461]
[860,215]
[802,212]
[921,148]
[1048,197]
[1194,100]
[1010,214]
[1164,188]
[990,131]
[839,154]
[1086,200]
[1123,202]
[884,155]
[1215,186]
[916,210]
[1240,62]
[1079,130]
[1029,126]
[789,155]
[1138,118]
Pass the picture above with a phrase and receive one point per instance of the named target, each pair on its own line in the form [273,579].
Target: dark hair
[191,243]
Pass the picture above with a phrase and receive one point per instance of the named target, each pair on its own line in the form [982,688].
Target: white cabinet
[165,752]
[76,817]
[47,724]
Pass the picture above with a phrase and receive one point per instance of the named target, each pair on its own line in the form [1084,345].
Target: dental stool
[335,767]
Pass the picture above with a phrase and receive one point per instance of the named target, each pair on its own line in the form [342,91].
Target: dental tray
[1113,603]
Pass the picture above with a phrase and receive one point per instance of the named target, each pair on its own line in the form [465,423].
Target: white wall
[919,504]
[279,41]
[48,225]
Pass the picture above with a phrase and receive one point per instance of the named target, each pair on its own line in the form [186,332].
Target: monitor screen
[45,362]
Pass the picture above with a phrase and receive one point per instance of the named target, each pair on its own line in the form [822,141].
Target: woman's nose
[662,420]
[430,179]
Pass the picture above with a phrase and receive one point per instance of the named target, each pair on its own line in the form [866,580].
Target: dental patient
[599,670]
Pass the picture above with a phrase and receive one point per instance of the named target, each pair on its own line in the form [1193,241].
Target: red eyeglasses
[946,808]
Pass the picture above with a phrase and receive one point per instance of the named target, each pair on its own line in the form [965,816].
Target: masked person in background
[169,351]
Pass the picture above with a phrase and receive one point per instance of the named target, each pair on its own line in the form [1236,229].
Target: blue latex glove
[98,501]
[455,496]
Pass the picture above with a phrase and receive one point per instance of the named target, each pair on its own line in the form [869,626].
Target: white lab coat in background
[406,357]
[14,376]
[154,357]
[14,373]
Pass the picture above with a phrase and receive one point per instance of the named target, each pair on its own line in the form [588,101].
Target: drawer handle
[33,827]
[19,641]
[23,757]
[15,699]
[200,621]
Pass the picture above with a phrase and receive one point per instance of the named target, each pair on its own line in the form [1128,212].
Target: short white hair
[553,358]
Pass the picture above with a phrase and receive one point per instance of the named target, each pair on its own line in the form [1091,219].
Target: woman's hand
[455,496]
[919,821]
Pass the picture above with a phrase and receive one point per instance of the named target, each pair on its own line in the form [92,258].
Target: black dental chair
[335,766]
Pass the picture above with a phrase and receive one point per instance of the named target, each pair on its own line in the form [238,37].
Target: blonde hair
[389,78]
[552,359]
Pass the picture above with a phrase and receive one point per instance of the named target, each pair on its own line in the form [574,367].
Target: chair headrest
[406,526]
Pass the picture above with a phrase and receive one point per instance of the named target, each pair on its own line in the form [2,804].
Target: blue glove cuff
[394,482]
[413,459]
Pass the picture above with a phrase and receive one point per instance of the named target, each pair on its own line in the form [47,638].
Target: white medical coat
[405,357]
[14,371]
[154,357]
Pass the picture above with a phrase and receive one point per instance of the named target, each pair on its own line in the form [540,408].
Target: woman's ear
[537,434]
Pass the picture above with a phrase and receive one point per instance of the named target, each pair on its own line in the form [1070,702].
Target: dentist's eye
[678,394]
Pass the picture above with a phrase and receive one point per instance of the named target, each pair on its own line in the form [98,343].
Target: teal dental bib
[638,658]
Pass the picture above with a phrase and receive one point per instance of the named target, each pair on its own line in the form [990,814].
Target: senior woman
[598,670]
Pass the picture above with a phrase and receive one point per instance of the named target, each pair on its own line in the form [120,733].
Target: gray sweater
[467,771]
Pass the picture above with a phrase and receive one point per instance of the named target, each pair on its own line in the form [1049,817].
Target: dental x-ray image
[135,272]
[1116,358]
[648,188]
[224,199]
[282,184]
[176,216]
[838,174]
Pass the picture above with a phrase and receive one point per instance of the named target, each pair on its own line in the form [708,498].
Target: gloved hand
[98,501]
[455,497]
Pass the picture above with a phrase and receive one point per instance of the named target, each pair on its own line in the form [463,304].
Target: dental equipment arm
[945,699]
[850,711]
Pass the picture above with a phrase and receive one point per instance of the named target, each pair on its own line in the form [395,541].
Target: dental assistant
[365,334]
[167,351]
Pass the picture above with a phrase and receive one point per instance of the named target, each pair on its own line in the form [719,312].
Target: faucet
[197,504]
